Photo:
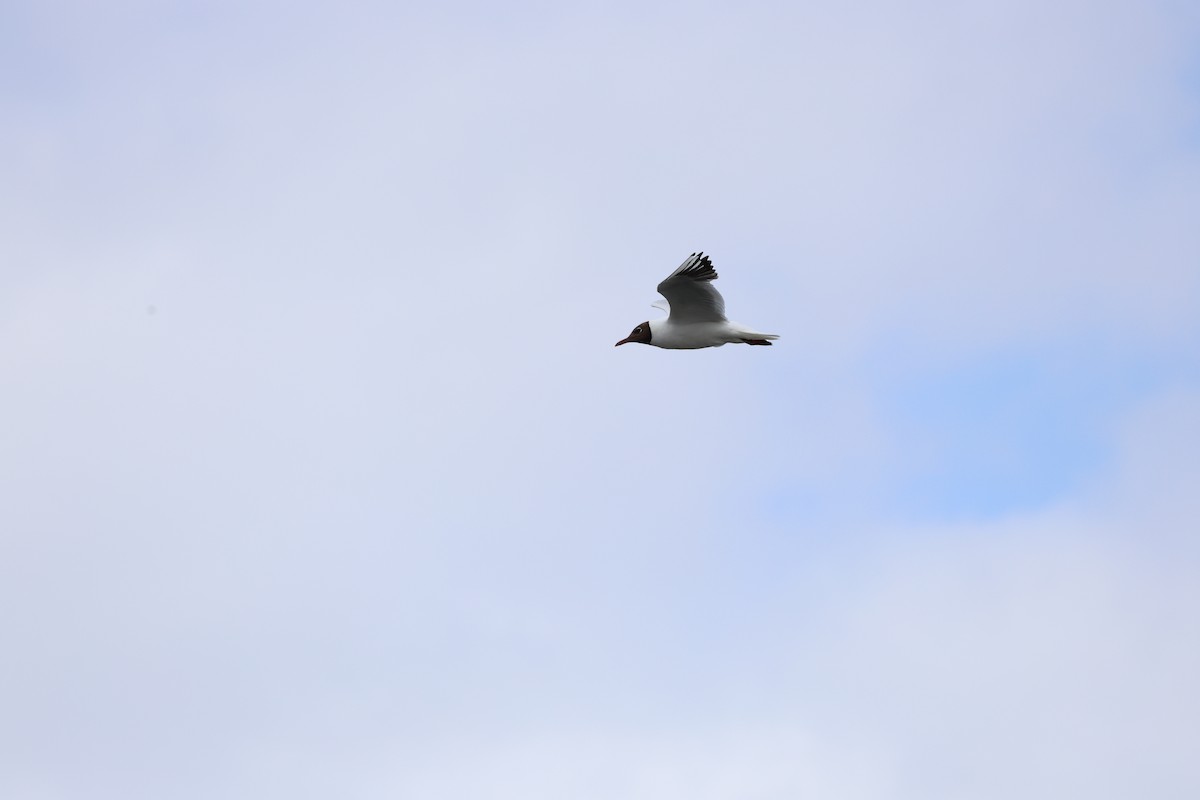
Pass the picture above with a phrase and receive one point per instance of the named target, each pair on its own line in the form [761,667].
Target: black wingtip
[702,269]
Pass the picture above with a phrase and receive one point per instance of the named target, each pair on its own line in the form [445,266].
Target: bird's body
[695,335]
[696,313]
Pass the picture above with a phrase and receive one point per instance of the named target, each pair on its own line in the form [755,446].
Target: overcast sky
[320,476]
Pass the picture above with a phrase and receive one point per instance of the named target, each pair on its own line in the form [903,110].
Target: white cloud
[369,506]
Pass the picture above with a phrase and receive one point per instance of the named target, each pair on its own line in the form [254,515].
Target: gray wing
[690,292]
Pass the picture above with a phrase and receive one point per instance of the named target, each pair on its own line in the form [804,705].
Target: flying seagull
[696,313]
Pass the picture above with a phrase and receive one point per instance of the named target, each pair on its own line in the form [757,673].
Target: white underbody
[694,335]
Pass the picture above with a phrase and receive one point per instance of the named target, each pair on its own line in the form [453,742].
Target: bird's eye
[638,329]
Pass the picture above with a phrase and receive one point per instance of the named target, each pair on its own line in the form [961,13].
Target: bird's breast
[689,336]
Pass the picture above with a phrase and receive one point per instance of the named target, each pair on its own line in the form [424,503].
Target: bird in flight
[696,313]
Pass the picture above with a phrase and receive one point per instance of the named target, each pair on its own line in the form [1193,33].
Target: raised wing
[691,294]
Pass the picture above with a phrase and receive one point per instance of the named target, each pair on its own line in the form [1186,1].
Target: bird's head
[641,334]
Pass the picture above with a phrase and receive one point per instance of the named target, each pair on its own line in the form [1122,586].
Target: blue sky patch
[1007,432]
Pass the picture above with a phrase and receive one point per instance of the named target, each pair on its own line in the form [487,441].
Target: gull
[696,313]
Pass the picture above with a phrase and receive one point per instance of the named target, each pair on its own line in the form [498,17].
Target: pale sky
[320,476]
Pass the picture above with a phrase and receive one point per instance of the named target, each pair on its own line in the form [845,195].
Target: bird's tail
[754,337]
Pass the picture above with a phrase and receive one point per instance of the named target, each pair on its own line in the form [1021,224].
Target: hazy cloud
[321,476]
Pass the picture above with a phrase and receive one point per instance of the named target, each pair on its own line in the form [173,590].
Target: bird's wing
[663,304]
[690,292]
